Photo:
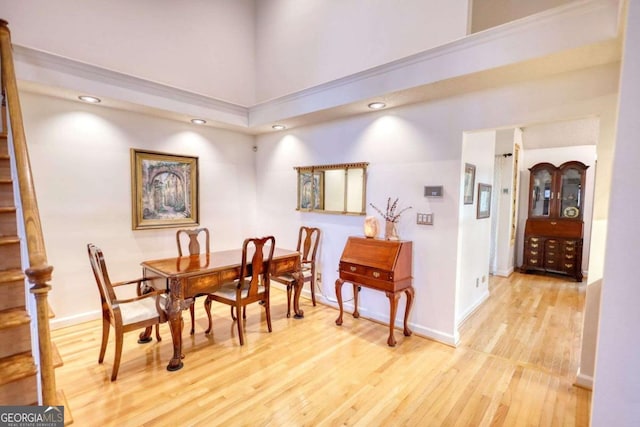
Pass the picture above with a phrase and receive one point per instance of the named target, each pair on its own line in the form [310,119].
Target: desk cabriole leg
[356,314]
[410,293]
[174,313]
[393,308]
[339,283]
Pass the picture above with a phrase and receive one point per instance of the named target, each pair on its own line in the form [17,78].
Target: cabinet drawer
[365,271]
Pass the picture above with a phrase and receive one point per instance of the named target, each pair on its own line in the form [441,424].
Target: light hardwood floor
[515,366]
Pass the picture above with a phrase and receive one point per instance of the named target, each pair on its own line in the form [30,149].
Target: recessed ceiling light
[198,121]
[377,105]
[90,99]
[279,127]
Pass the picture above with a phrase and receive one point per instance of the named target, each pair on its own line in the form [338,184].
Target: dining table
[186,277]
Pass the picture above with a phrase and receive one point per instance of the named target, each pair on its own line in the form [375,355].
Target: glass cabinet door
[541,192]
[570,195]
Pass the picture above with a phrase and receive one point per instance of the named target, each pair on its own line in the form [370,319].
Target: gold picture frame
[484,201]
[469,182]
[164,190]
[311,191]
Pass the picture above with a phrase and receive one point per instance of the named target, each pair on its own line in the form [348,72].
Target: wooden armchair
[308,238]
[194,248]
[143,311]
[251,286]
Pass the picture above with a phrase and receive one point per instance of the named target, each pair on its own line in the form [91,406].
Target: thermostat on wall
[433,191]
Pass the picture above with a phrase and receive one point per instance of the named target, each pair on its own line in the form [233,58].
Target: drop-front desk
[383,265]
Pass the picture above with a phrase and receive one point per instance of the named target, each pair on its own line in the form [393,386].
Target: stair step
[9,252]
[7,240]
[16,367]
[13,317]
[15,328]
[6,193]
[18,380]
[57,359]
[12,289]
[8,222]
[11,275]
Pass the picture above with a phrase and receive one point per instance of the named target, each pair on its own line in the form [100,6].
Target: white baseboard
[57,323]
[485,295]
[504,273]
[422,331]
[584,381]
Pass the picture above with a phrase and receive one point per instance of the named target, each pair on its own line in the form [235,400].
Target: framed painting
[469,183]
[164,190]
[484,201]
[311,191]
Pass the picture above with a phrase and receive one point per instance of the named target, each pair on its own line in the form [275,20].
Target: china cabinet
[554,228]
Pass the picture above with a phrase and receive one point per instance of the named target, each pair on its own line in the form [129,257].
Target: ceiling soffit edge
[416,70]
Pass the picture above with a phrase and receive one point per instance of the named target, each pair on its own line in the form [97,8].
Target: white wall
[557,156]
[490,13]
[300,44]
[616,395]
[81,163]
[151,39]
[503,260]
[474,236]
[408,148]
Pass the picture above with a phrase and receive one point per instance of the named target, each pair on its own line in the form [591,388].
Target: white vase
[390,231]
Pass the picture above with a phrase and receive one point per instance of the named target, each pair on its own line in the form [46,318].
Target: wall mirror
[336,189]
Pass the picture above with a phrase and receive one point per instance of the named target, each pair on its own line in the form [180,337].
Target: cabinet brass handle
[552,246]
[534,245]
[569,248]
[568,265]
[533,261]
[352,268]
[553,223]
[534,252]
[569,256]
[376,274]
[550,261]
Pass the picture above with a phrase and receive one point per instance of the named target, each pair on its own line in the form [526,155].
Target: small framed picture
[469,183]
[484,201]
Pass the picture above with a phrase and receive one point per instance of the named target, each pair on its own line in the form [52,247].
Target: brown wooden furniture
[127,314]
[188,276]
[383,265]
[308,239]
[194,248]
[252,285]
[554,228]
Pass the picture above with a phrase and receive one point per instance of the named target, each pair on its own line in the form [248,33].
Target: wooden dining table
[186,277]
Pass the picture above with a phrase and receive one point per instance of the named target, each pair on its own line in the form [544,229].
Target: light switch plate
[424,219]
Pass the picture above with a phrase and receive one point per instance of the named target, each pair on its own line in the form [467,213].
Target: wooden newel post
[39,277]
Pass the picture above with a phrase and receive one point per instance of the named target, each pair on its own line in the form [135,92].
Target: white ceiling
[572,38]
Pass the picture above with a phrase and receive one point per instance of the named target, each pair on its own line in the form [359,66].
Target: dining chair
[194,248]
[308,238]
[251,286]
[145,310]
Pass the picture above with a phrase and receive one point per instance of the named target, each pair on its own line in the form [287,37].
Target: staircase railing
[39,271]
